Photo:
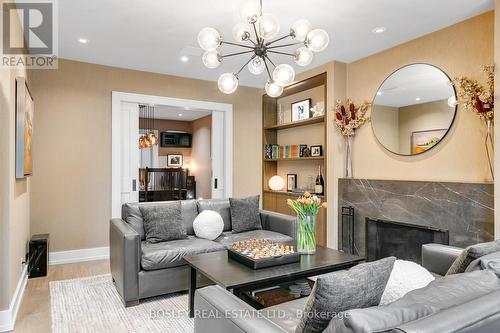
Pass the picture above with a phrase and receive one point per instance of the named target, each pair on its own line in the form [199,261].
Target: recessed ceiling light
[184,59]
[418,99]
[83,40]
[379,30]
[379,93]
[180,114]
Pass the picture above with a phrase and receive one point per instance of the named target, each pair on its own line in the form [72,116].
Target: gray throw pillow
[472,253]
[245,214]
[488,262]
[359,287]
[163,222]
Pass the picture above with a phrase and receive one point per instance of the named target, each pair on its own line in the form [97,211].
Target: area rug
[92,304]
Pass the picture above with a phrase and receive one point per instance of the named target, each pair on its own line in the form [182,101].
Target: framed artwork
[24,129]
[174,160]
[425,140]
[301,110]
[291,182]
[316,151]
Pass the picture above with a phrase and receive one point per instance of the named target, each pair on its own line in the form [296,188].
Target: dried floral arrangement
[475,97]
[349,117]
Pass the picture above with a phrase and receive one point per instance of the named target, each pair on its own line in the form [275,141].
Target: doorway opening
[179,167]
[193,158]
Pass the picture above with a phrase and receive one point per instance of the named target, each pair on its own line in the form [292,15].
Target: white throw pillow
[208,224]
[405,277]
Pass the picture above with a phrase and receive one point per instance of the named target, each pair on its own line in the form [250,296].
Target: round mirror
[413,110]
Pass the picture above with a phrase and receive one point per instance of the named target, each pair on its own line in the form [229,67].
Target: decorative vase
[306,234]
[348,156]
[489,139]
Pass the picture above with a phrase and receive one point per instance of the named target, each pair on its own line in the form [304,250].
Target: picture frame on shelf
[174,161]
[301,110]
[291,182]
[317,151]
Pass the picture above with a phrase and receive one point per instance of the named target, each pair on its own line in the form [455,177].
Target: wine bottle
[319,188]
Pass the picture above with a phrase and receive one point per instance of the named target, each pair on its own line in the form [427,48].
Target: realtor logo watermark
[29,34]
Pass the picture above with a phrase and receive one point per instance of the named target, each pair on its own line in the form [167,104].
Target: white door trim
[118,97]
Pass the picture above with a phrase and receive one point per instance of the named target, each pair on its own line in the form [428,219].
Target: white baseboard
[68,257]
[8,317]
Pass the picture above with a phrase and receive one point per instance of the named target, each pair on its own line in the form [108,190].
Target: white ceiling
[423,82]
[153,35]
[180,114]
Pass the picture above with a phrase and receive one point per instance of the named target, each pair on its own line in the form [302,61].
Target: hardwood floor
[34,314]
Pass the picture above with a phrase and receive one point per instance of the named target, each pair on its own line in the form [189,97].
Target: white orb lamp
[269,26]
[273,90]
[228,83]
[241,32]
[256,66]
[303,56]
[317,40]
[250,11]
[300,29]
[209,39]
[211,59]
[283,74]
[276,183]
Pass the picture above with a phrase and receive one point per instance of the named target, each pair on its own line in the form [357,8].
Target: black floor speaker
[38,263]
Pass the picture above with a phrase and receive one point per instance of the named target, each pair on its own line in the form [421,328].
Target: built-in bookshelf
[310,132]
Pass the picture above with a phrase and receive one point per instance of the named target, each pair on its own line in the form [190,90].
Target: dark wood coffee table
[235,277]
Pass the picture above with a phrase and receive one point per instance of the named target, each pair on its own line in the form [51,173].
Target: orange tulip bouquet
[306,207]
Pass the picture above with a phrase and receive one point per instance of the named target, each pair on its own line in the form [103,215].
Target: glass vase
[306,234]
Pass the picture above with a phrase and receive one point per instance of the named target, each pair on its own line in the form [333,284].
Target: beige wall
[201,161]
[422,117]
[14,194]
[458,50]
[71,189]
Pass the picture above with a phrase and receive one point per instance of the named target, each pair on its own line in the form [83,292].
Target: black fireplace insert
[402,240]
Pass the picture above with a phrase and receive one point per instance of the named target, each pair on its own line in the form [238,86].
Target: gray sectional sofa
[466,303]
[140,269]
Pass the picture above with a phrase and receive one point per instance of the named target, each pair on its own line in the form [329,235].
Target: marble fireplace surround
[465,209]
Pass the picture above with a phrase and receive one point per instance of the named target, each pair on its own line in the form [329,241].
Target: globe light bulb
[300,29]
[303,56]
[209,39]
[241,32]
[273,89]
[283,74]
[317,40]
[256,66]
[228,83]
[211,59]
[250,11]
[269,26]
[276,183]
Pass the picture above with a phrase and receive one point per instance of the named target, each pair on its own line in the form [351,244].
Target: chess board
[261,253]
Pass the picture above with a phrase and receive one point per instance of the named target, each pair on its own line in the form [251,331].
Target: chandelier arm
[283,53]
[235,54]
[277,40]
[267,69]
[284,45]
[251,58]
[255,31]
[267,57]
[236,44]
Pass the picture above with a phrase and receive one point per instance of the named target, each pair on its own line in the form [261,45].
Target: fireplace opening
[402,240]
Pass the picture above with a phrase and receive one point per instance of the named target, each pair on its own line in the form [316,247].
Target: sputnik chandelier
[256,35]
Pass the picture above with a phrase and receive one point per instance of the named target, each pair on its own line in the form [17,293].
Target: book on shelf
[268,152]
[294,151]
[302,150]
[276,152]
